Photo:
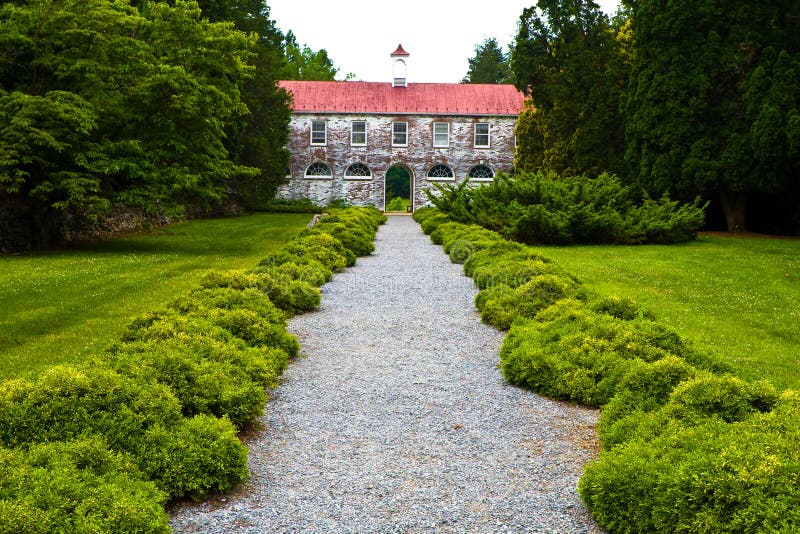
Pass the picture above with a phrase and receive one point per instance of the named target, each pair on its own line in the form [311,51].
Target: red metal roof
[400,51]
[417,98]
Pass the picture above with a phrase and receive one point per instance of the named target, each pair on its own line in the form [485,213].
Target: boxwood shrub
[77,486]
[101,447]
[686,446]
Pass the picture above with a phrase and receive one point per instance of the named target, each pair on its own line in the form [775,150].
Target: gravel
[397,419]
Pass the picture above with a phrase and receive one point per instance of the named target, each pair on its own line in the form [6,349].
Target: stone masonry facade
[421,159]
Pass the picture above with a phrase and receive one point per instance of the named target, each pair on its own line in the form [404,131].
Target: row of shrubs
[544,208]
[686,445]
[101,447]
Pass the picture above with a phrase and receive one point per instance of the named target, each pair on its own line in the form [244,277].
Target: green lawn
[65,305]
[737,297]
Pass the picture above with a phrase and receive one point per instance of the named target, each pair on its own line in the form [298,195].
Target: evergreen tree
[570,62]
[714,102]
[490,64]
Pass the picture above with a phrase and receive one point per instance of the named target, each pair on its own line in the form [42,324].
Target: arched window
[358,171]
[440,172]
[481,172]
[318,170]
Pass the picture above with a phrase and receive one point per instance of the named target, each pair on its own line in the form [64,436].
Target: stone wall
[379,155]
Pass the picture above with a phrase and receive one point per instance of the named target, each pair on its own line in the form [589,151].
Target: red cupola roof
[400,51]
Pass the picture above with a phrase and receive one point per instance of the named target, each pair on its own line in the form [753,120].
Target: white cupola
[399,67]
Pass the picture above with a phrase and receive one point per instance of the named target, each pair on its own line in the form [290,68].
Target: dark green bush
[572,353]
[687,447]
[167,399]
[220,323]
[501,251]
[255,299]
[621,308]
[312,272]
[725,397]
[538,208]
[510,273]
[323,248]
[77,486]
[429,219]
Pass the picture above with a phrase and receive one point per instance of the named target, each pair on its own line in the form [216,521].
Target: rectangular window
[358,133]
[399,134]
[482,134]
[441,134]
[318,132]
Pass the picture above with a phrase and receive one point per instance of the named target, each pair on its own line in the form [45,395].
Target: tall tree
[258,139]
[303,63]
[568,59]
[489,65]
[100,103]
[714,103]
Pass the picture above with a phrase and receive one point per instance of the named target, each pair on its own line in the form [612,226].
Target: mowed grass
[62,306]
[737,297]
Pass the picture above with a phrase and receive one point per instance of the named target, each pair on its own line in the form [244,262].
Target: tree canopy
[568,59]
[101,102]
[691,98]
[714,105]
[161,106]
[489,65]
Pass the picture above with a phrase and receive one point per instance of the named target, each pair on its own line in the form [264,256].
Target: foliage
[686,445]
[489,65]
[303,63]
[538,208]
[568,59]
[398,183]
[76,486]
[103,103]
[724,118]
[167,399]
[733,296]
[398,204]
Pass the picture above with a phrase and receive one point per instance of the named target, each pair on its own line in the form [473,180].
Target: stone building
[344,136]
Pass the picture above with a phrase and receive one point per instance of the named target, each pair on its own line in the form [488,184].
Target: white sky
[440,35]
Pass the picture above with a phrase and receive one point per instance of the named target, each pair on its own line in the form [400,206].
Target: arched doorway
[398,189]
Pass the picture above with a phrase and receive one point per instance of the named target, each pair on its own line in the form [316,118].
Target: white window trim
[324,133]
[447,143]
[352,123]
[441,178]
[363,178]
[318,176]
[471,179]
[488,135]
[400,144]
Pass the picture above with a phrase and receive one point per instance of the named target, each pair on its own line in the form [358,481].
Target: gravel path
[397,419]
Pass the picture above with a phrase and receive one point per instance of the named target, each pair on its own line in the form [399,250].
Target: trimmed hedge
[156,416]
[77,486]
[686,446]
[543,208]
